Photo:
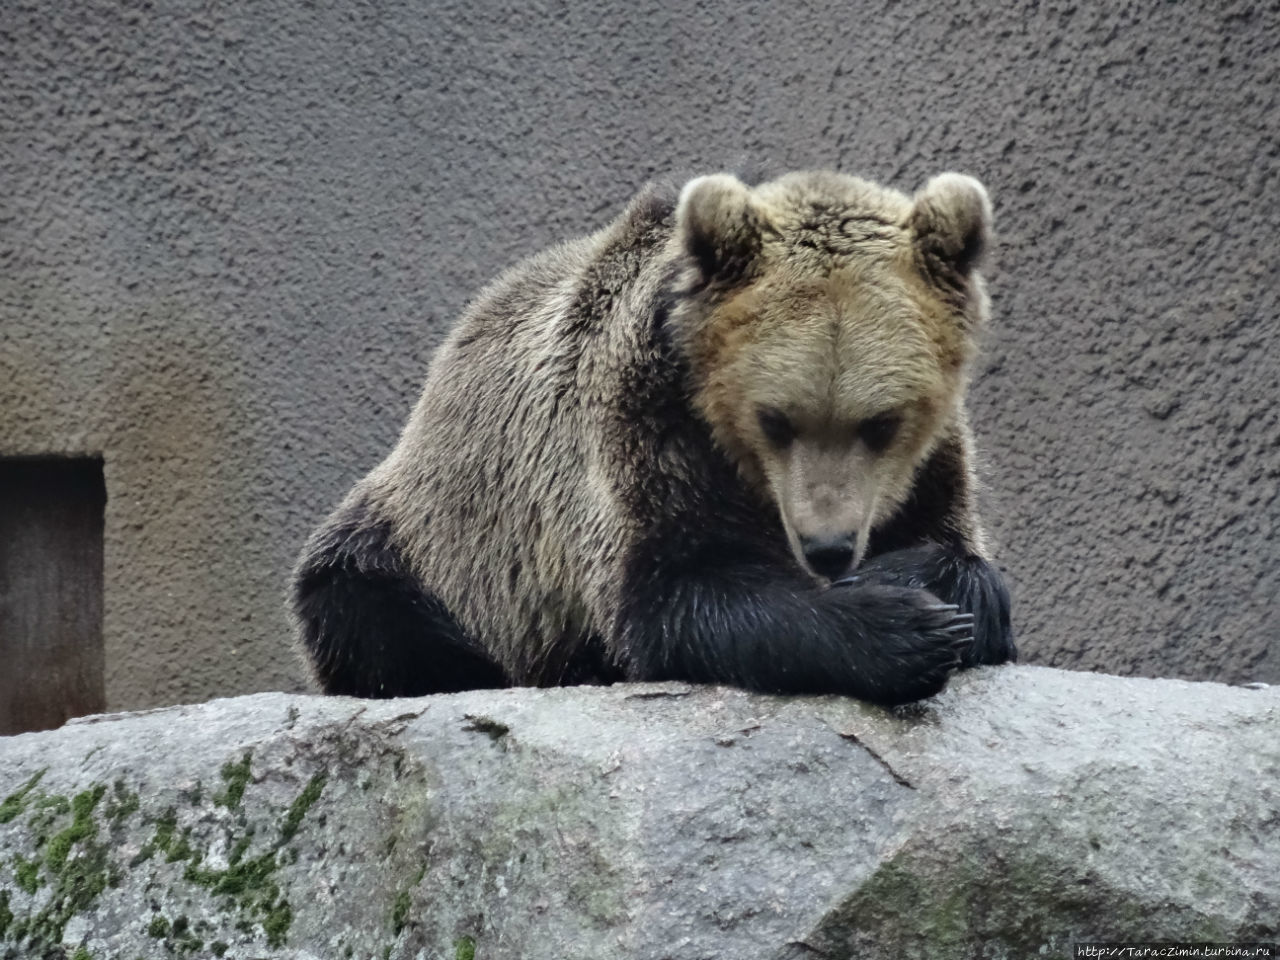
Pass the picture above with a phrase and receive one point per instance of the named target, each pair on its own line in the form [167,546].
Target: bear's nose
[828,556]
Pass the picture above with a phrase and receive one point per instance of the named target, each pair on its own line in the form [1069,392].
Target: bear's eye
[878,431]
[776,427]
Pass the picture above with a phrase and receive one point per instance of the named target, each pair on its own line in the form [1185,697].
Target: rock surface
[1022,810]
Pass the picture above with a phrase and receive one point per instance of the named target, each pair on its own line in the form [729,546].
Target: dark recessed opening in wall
[51,513]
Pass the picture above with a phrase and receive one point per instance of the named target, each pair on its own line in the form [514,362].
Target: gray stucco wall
[230,236]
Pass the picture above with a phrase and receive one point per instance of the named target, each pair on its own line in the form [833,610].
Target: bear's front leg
[762,627]
[954,576]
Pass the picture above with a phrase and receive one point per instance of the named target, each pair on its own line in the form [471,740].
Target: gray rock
[1024,809]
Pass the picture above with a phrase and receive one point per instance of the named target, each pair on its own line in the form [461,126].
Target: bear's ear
[951,220]
[720,226]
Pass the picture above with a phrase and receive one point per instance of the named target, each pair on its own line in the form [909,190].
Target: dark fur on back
[559,511]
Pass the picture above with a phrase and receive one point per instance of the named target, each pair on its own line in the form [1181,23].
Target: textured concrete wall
[230,236]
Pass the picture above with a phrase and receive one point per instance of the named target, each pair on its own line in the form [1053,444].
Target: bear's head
[829,326]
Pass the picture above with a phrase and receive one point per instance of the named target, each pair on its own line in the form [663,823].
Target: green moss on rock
[181,849]
[400,911]
[48,811]
[241,845]
[163,840]
[250,883]
[82,826]
[122,804]
[400,908]
[26,873]
[236,776]
[276,923]
[13,804]
[182,939]
[75,865]
[298,809]
[240,880]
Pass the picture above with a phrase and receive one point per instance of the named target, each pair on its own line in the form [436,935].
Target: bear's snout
[828,556]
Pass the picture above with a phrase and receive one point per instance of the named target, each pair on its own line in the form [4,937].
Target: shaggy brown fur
[648,454]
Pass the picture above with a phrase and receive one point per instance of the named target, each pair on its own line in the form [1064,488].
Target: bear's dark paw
[915,567]
[912,642]
[925,648]
[968,581]
[997,647]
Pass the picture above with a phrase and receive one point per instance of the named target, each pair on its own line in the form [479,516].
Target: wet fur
[563,506]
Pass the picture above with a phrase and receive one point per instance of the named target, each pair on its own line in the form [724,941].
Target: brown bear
[721,440]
